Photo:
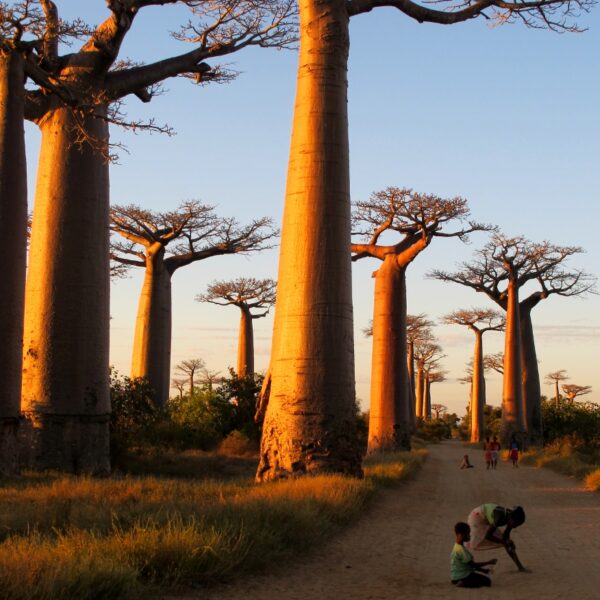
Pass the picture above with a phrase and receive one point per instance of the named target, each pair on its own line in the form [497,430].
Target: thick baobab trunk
[152,343]
[245,357]
[532,392]
[477,391]
[310,424]
[389,426]
[13,233]
[412,398]
[513,419]
[420,391]
[556,394]
[427,398]
[65,388]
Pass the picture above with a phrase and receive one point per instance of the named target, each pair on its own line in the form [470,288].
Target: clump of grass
[79,538]
[592,481]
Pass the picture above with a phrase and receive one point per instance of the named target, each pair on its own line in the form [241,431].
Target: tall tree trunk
[152,342]
[556,394]
[13,233]
[245,357]
[389,426]
[420,390]
[477,391]
[411,386]
[310,421]
[427,398]
[513,419]
[532,392]
[65,364]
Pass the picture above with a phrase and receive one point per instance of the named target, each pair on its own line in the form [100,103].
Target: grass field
[81,538]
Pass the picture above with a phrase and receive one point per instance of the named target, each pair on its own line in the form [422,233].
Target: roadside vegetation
[181,509]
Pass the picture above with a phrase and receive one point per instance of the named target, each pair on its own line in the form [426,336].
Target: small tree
[254,298]
[554,379]
[572,390]
[427,356]
[162,243]
[439,410]
[479,321]
[190,368]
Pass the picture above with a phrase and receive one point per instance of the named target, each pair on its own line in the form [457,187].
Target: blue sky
[506,117]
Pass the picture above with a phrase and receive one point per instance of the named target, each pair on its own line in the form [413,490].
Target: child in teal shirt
[463,569]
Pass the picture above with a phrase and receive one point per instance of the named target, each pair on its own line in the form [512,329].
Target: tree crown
[245,292]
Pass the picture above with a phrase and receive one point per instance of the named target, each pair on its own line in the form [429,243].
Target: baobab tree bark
[426,397]
[513,417]
[420,390]
[532,393]
[309,424]
[389,421]
[411,385]
[477,391]
[65,361]
[151,357]
[245,357]
[13,233]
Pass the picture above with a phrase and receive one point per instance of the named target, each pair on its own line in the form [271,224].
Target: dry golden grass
[67,537]
[592,481]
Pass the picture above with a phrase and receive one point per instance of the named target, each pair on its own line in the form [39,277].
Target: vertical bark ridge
[13,233]
[310,420]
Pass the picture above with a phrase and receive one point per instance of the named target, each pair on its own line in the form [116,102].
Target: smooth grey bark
[532,393]
[13,233]
[65,389]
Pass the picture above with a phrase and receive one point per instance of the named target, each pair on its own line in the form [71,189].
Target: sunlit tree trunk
[513,418]
[477,391]
[556,394]
[426,398]
[411,386]
[420,390]
[245,358]
[532,392]
[389,427]
[152,342]
[309,425]
[13,233]
[65,364]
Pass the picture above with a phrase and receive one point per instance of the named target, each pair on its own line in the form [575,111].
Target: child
[463,569]
[465,464]
[485,522]
[495,446]
[487,446]
[514,454]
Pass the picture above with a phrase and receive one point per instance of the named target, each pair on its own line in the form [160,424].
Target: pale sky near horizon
[506,117]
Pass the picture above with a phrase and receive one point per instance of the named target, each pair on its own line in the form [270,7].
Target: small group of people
[488,526]
[492,452]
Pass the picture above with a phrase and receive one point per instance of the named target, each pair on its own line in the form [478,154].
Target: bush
[434,430]
[577,420]
[237,443]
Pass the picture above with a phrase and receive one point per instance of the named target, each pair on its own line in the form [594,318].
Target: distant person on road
[465,464]
[514,452]
[463,569]
[487,446]
[485,522]
[495,446]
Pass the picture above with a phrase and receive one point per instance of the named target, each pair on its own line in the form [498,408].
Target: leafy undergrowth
[570,458]
[122,537]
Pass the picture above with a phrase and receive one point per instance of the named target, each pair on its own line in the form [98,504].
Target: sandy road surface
[400,548]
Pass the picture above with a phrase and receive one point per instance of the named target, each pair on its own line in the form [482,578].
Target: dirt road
[400,549]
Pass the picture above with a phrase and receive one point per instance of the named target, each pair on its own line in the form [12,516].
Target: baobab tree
[254,298]
[427,357]
[501,268]
[431,376]
[479,321]
[65,372]
[417,327]
[413,220]
[572,390]
[190,368]
[554,379]
[438,410]
[162,243]
[179,384]
[312,413]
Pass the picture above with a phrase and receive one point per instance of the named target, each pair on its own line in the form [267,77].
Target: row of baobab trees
[73,96]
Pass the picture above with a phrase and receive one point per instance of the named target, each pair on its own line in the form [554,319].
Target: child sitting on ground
[463,569]
[465,464]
